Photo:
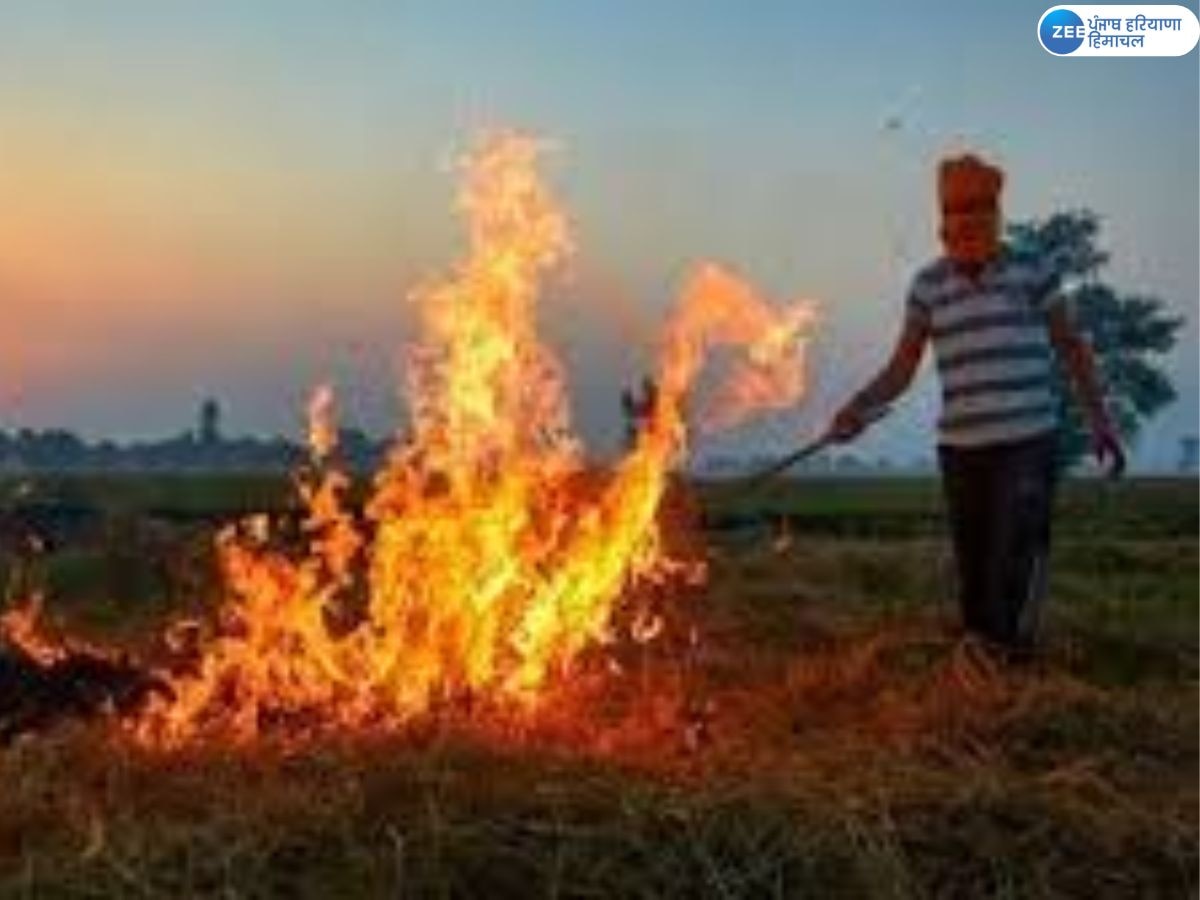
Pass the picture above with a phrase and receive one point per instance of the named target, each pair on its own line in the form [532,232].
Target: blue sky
[232,198]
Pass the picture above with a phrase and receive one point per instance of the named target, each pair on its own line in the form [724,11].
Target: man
[994,318]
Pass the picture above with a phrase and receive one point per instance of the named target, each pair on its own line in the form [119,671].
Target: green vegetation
[1130,334]
[828,736]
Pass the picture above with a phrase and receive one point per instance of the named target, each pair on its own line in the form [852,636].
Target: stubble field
[809,725]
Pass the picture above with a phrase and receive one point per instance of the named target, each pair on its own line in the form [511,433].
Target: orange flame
[486,561]
[322,423]
[23,626]
[720,311]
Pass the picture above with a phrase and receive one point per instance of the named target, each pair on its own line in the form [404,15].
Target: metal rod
[762,476]
[782,465]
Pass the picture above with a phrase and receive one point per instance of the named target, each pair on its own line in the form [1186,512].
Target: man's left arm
[1076,354]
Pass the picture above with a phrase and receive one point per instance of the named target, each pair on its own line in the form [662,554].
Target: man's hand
[1106,445]
[873,401]
[1076,353]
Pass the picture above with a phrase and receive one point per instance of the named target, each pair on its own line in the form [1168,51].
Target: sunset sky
[233,198]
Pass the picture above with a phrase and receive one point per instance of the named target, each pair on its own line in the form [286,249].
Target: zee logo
[1065,31]
[1062,32]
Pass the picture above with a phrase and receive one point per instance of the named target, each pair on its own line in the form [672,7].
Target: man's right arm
[890,382]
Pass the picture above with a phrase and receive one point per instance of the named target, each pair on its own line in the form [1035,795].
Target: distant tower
[637,409]
[1189,454]
[210,421]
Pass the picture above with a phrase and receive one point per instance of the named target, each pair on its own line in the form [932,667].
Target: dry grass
[829,736]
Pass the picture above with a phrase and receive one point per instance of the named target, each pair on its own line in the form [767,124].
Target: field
[825,734]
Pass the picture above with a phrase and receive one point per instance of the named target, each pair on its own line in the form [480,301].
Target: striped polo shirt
[992,347]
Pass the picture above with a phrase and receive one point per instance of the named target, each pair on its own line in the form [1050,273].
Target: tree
[637,408]
[210,422]
[1129,333]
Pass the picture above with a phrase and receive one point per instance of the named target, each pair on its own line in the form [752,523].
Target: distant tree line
[204,448]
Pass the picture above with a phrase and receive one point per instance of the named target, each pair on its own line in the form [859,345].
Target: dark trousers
[999,499]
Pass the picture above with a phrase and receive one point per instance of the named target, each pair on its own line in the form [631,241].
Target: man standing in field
[994,318]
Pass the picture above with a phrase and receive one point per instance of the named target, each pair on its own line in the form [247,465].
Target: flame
[488,558]
[769,370]
[23,626]
[322,422]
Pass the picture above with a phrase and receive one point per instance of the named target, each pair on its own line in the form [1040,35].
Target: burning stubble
[489,558]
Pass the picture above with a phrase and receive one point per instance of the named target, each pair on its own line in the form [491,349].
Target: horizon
[230,202]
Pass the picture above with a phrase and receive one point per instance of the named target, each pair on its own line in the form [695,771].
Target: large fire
[488,556]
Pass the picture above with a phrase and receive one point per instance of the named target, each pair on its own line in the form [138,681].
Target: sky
[233,199]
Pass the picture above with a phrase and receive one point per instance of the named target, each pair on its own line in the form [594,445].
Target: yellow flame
[487,558]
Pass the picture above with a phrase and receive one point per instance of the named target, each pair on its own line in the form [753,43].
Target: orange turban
[967,182]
